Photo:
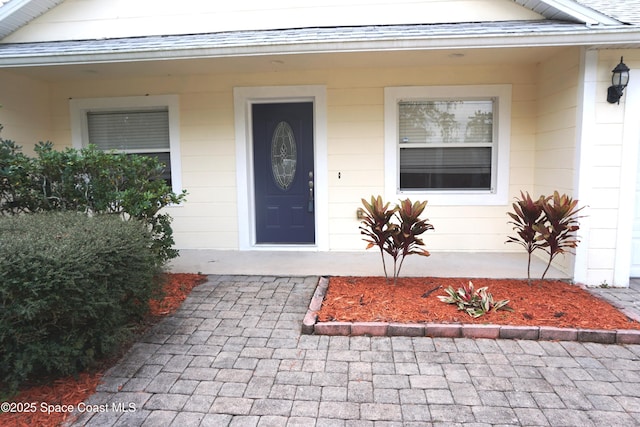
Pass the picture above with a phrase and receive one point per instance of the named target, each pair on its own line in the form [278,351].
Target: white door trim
[629,171]
[243,98]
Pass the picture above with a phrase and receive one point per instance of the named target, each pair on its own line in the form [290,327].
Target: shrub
[527,216]
[549,224]
[560,225]
[70,286]
[475,302]
[397,239]
[91,181]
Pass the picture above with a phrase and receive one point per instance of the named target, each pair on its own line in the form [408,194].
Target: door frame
[244,98]
[629,176]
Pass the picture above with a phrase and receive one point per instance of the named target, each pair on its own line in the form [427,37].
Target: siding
[355,147]
[80,19]
[610,180]
[24,110]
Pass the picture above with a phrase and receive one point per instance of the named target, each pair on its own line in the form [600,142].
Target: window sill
[454,198]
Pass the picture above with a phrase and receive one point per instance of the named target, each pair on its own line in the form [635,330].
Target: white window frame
[498,194]
[80,131]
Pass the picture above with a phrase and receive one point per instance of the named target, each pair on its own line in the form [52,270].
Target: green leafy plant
[398,239]
[71,288]
[89,181]
[475,302]
[549,224]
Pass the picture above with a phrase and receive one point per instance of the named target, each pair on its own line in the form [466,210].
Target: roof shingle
[627,11]
[307,40]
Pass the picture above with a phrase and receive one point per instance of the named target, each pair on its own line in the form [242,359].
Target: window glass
[446,144]
[446,122]
[445,168]
[129,130]
[142,132]
[133,125]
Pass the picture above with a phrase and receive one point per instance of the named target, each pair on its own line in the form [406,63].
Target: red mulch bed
[544,303]
[72,390]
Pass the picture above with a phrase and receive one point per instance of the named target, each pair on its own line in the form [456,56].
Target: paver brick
[406,330]
[187,419]
[339,410]
[598,336]
[166,401]
[519,332]
[333,328]
[159,418]
[233,355]
[480,331]
[374,329]
[443,330]
[628,337]
[380,412]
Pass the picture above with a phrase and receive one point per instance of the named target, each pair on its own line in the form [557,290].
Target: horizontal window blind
[129,130]
[445,160]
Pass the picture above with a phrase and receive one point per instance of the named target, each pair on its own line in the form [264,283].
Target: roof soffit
[14,14]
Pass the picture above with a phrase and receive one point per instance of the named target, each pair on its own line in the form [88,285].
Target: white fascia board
[581,13]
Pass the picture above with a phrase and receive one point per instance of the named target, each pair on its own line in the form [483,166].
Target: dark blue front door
[283,172]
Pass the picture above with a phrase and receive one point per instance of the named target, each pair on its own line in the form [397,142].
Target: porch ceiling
[291,62]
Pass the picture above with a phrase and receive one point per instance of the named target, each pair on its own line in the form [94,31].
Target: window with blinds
[136,132]
[446,145]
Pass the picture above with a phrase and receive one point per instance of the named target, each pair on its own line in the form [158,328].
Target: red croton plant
[548,223]
[398,239]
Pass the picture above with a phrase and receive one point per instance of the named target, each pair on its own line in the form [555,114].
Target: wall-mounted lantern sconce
[619,80]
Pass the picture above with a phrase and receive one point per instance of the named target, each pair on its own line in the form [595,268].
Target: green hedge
[90,181]
[70,285]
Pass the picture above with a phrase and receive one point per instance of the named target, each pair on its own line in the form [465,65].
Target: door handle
[310,204]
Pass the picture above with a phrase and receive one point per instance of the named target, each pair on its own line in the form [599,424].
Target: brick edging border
[311,326]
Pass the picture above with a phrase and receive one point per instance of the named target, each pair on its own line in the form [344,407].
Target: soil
[73,390]
[415,300]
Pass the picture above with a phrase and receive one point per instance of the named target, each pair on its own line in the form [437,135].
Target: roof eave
[17,13]
[621,36]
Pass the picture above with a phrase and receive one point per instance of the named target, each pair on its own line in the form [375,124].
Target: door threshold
[284,247]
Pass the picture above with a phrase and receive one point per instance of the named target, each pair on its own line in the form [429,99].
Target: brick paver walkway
[233,355]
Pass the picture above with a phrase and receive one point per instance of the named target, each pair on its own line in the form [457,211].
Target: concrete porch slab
[311,263]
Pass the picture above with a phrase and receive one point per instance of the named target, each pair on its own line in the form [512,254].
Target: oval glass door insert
[284,155]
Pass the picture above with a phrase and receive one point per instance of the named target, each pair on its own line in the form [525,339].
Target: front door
[283,173]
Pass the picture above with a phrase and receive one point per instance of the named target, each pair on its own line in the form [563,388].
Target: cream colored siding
[355,129]
[610,181]
[24,110]
[209,218]
[542,145]
[556,124]
[355,148]
[555,148]
[81,19]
